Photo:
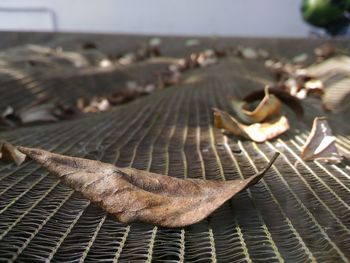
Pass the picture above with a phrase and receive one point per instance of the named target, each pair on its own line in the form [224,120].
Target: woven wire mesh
[299,212]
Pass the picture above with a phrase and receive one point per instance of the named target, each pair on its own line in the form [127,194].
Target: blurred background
[268,18]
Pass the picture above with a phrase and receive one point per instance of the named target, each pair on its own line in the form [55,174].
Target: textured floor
[299,212]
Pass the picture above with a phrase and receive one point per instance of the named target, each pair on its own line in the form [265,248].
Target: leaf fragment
[324,51]
[10,153]
[46,112]
[291,101]
[258,132]
[135,195]
[320,145]
[269,106]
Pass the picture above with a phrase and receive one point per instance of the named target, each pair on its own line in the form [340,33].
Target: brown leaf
[134,195]
[269,106]
[258,132]
[10,153]
[320,145]
[285,97]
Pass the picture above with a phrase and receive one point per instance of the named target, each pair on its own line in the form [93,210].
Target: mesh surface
[299,212]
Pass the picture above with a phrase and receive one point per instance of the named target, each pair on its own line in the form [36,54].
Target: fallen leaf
[105,63]
[263,53]
[320,145]
[301,58]
[285,97]
[127,59]
[258,132]
[324,51]
[48,112]
[207,58]
[247,52]
[95,105]
[134,195]
[269,106]
[332,76]
[328,68]
[132,91]
[10,153]
[314,87]
[8,117]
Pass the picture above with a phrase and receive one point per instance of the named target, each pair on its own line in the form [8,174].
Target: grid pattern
[299,212]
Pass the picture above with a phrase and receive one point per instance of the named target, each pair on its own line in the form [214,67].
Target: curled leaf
[10,153]
[285,97]
[320,145]
[134,195]
[270,105]
[258,132]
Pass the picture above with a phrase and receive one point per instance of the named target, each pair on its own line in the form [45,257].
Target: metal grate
[298,213]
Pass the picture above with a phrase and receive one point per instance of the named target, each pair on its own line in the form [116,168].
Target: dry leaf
[332,76]
[247,52]
[132,91]
[285,97]
[314,87]
[95,105]
[207,58]
[48,112]
[301,58]
[269,106]
[10,153]
[127,59]
[258,132]
[134,195]
[320,145]
[105,63]
[324,51]
[8,118]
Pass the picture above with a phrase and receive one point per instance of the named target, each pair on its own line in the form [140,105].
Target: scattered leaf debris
[40,113]
[134,195]
[320,145]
